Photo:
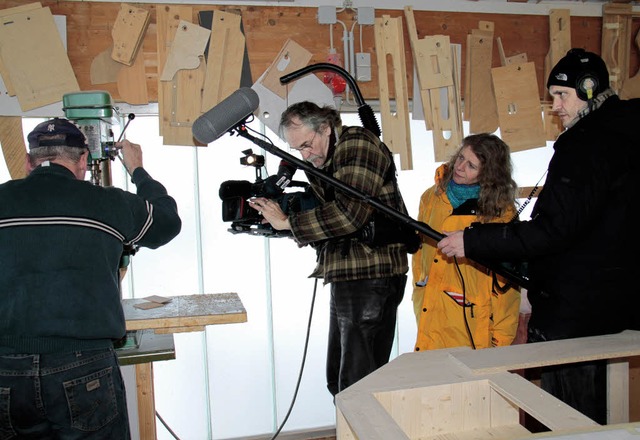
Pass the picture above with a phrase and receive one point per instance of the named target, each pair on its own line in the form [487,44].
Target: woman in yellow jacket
[459,303]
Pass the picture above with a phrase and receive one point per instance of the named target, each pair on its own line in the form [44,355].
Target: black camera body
[246,220]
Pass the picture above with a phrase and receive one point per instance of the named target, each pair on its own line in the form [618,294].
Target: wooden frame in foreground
[463,394]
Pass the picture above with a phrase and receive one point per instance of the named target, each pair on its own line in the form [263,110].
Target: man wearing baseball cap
[61,241]
[580,237]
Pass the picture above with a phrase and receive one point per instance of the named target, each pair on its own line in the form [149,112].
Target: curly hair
[311,115]
[498,190]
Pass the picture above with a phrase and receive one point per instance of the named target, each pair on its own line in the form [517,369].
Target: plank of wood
[187,49]
[518,106]
[168,18]
[395,125]
[292,57]
[419,63]
[105,69]
[366,416]
[493,433]
[552,353]
[544,407]
[13,147]
[616,41]
[481,107]
[146,400]
[631,87]
[32,52]
[445,103]
[187,97]
[128,32]
[187,311]
[514,59]
[618,391]
[559,37]
[4,73]
[433,59]
[132,82]
[224,59]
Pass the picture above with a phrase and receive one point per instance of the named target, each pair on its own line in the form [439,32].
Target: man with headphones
[580,236]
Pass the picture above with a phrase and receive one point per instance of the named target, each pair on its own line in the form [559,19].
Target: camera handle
[402,218]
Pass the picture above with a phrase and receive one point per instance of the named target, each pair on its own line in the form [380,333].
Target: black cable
[526,202]
[167,426]
[304,358]
[464,304]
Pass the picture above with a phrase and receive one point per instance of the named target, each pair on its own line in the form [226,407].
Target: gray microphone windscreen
[225,115]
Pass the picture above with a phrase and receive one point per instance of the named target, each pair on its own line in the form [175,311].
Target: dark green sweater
[61,240]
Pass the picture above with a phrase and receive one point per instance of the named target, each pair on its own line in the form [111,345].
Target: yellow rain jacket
[438,292]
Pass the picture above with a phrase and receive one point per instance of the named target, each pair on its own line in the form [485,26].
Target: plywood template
[104,69]
[35,58]
[13,147]
[631,86]
[421,65]
[513,59]
[168,18]
[390,51]
[5,13]
[616,41]
[132,82]
[479,106]
[186,55]
[518,105]
[463,394]
[434,57]
[225,58]
[187,49]
[128,32]
[292,57]
[559,37]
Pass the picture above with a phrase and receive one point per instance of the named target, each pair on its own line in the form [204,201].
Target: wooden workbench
[187,313]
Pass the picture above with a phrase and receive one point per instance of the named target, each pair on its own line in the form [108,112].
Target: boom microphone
[225,115]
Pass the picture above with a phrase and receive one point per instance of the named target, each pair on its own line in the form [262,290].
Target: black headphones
[587,83]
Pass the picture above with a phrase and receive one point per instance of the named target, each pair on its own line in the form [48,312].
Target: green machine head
[93,113]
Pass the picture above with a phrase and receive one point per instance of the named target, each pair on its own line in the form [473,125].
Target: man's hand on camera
[272,213]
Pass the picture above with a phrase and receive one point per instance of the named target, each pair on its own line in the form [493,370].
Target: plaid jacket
[362,161]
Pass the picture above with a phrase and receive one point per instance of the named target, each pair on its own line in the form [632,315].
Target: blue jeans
[66,396]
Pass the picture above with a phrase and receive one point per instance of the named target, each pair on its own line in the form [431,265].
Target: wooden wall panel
[267,28]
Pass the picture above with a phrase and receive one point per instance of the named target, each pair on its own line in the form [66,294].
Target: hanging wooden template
[518,106]
[128,32]
[389,42]
[35,59]
[224,59]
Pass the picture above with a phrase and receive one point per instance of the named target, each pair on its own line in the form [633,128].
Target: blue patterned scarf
[458,194]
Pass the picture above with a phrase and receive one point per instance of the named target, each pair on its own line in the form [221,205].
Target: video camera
[236,193]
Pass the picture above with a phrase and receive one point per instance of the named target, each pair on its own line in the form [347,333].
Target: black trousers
[583,385]
[362,326]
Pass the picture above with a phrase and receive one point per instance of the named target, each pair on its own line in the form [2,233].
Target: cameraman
[367,280]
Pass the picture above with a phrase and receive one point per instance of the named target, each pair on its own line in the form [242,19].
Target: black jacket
[580,237]
[61,240]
